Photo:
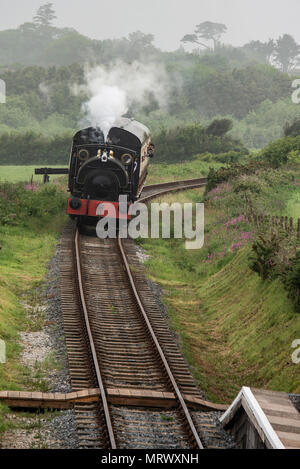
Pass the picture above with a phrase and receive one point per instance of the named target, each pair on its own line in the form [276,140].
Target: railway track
[155,190]
[117,339]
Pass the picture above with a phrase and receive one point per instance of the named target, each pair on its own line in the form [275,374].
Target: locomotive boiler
[102,169]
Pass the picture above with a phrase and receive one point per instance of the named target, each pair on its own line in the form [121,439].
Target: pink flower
[246,235]
[235,221]
[31,187]
[236,246]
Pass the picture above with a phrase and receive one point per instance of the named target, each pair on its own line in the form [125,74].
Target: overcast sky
[168,20]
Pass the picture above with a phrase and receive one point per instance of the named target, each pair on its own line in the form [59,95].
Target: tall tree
[45,15]
[139,39]
[262,50]
[287,53]
[211,31]
[194,39]
[207,30]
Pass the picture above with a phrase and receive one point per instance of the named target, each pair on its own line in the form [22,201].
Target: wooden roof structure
[263,419]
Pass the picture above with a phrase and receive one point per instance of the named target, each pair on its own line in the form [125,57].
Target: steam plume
[113,89]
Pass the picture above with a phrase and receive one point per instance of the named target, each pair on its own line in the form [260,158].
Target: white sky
[168,20]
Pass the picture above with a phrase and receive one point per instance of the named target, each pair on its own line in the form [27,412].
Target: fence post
[298,229]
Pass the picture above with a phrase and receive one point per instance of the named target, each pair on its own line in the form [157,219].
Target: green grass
[23,173]
[246,329]
[293,205]
[163,172]
[158,172]
[27,243]
[234,329]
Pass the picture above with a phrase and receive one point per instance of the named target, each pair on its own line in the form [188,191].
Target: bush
[182,143]
[264,250]
[250,183]
[224,174]
[273,256]
[292,130]
[228,157]
[18,202]
[32,148]
[291,280]
[219,127]
[277,153]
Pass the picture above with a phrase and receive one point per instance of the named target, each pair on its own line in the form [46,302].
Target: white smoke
[113,89]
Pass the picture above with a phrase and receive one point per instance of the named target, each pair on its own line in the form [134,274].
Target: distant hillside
[40,63]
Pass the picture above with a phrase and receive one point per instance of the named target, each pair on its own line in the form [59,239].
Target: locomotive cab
[101,170]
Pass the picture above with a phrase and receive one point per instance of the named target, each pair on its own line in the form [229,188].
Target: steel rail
[153,336]
[167,187]
[182,182]
[171,186]
[92,346]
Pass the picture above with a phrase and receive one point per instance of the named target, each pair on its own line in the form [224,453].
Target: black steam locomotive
[101,170]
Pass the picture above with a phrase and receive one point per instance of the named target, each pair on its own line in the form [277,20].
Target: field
[22,173]
[157,172]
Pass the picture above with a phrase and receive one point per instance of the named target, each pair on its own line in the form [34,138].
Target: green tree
[219,127]
[262,50]
[45,15]
[139,39]
[293,129]
[211,31]
[206,30]
[287,52]
[194,39]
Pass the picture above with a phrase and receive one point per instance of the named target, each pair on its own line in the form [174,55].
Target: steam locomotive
[102,169]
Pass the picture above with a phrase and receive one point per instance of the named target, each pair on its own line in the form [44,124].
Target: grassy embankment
[30,223]
[234,328]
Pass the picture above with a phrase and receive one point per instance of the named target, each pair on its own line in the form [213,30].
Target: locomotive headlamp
[111,154]
[104,157]
[126,159]
[83,154]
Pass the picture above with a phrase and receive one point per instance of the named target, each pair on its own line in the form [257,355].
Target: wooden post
[298,229]
[46,178]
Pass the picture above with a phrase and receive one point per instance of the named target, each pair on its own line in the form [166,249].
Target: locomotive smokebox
[102,185]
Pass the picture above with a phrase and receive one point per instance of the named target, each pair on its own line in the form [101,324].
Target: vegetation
[43,66]
[31,219]
[213,296]
[183,143]
[23,173]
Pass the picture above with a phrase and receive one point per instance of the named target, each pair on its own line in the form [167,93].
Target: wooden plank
[280,400]
[268,393]
[290,439]
[286,422]
[270,406]
[280,413]
[121,396]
